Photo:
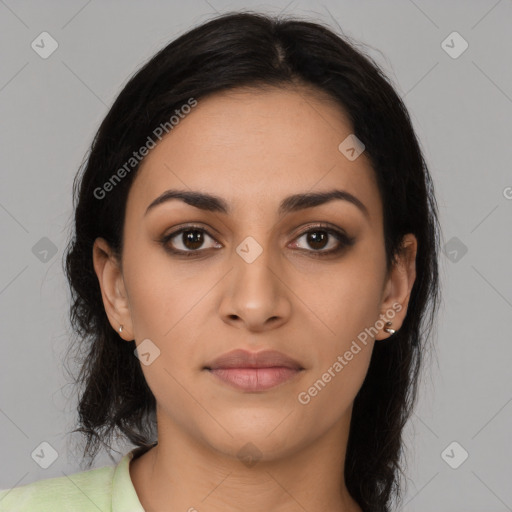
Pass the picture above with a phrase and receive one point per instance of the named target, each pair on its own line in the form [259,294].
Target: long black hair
[252,49]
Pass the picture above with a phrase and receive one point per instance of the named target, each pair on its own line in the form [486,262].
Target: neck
[180,474]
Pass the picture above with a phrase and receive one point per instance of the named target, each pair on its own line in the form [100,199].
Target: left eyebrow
[291,203]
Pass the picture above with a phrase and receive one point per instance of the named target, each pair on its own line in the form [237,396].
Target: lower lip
[255,379]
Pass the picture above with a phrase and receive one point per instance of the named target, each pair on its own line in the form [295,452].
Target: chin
[248,440]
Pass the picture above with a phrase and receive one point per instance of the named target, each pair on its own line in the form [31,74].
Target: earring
[388,330]
[121,328]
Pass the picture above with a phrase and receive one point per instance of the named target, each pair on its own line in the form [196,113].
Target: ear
[398,286]
[113,292]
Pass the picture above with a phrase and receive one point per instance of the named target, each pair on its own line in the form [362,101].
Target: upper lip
[244,359]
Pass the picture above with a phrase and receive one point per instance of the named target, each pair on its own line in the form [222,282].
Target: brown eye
[192,238]
[189,240]
[325,241]
[317,239]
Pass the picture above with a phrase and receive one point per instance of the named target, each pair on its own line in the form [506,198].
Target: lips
[254,371]
[244,359]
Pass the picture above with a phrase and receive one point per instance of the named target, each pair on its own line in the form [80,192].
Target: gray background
[461,108]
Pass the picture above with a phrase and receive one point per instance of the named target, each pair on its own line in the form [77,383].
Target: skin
[253,149]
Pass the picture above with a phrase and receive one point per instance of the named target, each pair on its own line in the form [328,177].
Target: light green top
[105,489]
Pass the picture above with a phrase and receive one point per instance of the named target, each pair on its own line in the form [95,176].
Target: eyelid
[324,225]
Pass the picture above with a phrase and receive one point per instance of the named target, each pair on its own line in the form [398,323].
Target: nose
[255,295]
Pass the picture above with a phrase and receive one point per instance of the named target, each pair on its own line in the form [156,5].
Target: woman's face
[254,279]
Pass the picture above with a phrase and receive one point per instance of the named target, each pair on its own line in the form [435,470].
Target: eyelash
[344,241]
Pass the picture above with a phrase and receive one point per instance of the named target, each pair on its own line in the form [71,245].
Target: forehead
[254,147]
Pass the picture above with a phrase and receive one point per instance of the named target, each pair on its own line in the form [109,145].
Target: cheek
[164,307]
[348,304]
[344,352]
[159,296]
[347,297]
[329,395]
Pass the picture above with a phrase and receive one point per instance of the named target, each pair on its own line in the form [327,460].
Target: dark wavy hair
[251,49]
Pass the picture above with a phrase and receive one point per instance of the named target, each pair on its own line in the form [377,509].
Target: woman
[254,275]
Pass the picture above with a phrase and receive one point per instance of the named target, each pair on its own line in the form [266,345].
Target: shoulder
[80,492]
